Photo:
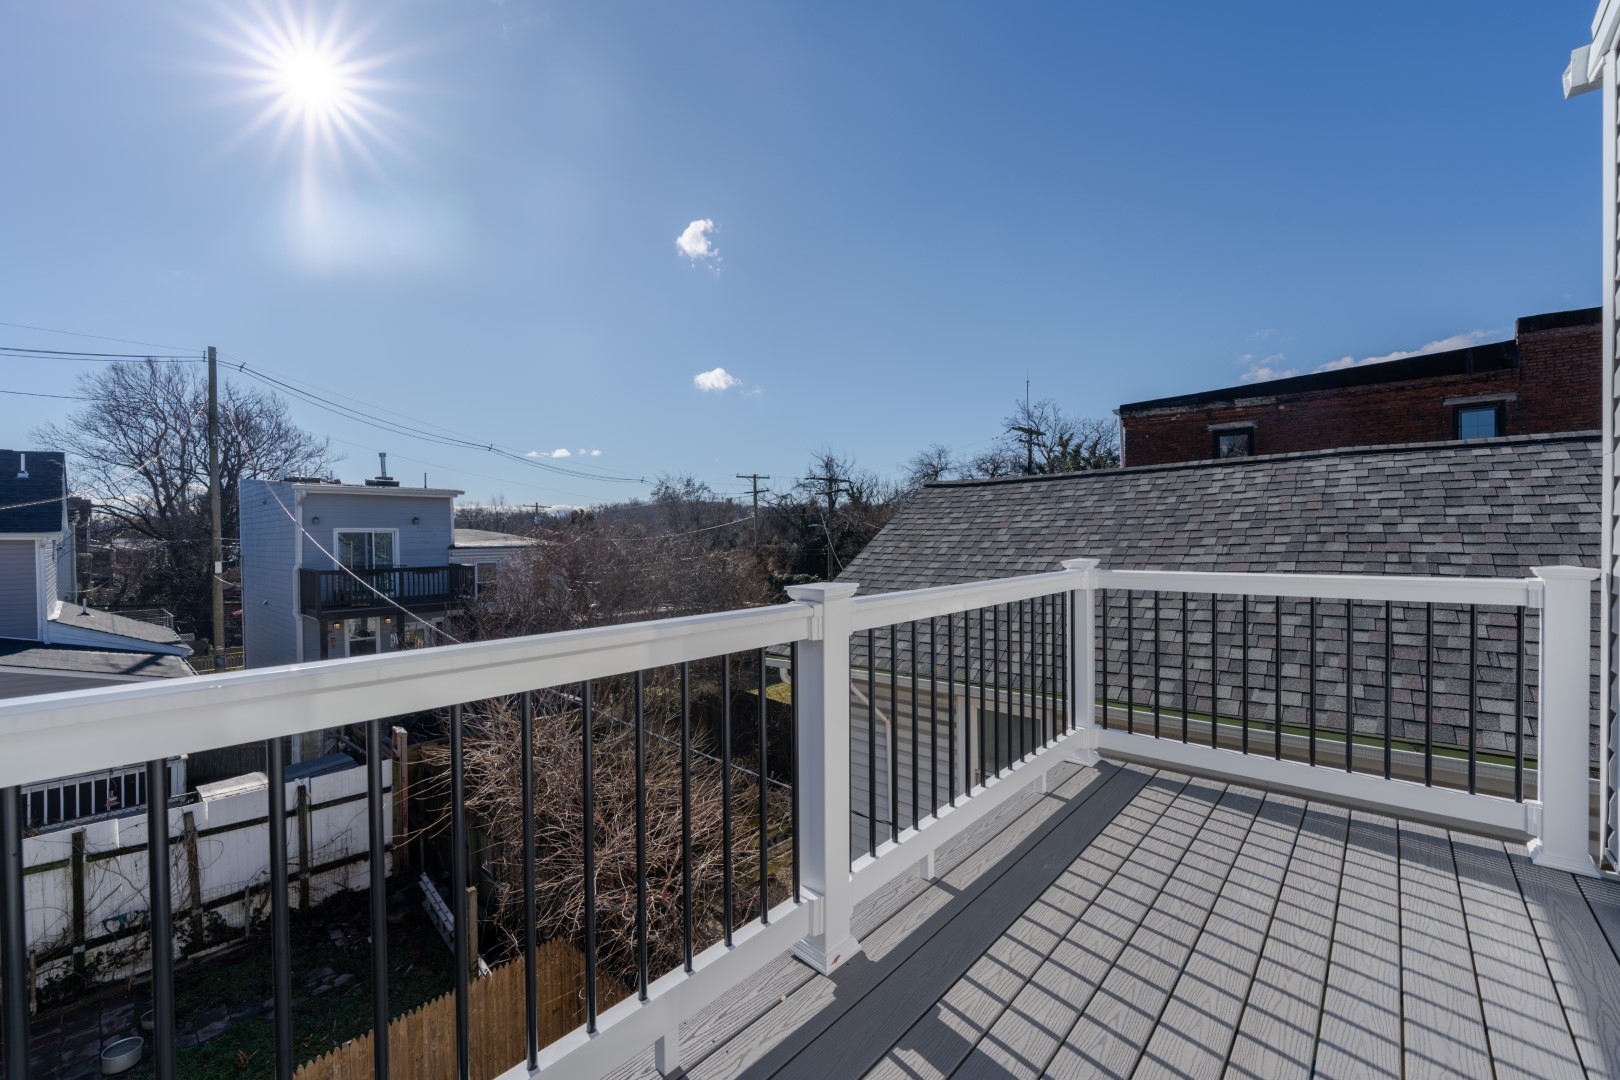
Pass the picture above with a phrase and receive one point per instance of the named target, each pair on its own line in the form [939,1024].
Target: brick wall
[1555,387]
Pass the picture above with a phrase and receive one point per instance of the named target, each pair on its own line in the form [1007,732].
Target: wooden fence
[422,1042]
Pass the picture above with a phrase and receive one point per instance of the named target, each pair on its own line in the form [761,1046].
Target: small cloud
[560,453]
[754,391]
[550,453]
[1447,344]
[696,243]
[715,381]
[596,453]
[1265,368]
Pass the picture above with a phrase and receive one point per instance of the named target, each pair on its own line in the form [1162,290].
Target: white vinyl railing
[53,735]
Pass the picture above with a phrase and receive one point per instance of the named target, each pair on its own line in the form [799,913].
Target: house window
[1234,442]
[361,635]
[1481,421]
[485,576]
[365,550]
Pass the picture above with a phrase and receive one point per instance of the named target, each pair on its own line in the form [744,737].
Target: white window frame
[337,560]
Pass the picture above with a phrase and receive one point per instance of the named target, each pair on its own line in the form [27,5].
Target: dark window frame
[1221,433]
[1497,407]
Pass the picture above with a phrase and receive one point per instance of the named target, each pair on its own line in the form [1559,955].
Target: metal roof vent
[22,466]
[382,479]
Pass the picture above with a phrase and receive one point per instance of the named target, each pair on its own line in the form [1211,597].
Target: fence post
[1083,663]
[823,775]
[1563,765]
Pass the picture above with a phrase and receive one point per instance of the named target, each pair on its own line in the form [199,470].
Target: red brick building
[1547,379]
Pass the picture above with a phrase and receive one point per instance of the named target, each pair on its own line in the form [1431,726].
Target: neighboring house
[1496,507]
[50,641]
[333,570]
[1546,379]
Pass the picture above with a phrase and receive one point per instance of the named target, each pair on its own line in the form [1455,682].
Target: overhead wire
[97,337]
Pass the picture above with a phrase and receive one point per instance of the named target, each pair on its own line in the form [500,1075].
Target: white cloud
[696,243]
[1265,368]
[1447,344]
[715,381]
[596,453]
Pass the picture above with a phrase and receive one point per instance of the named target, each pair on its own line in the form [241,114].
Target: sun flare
[312,82]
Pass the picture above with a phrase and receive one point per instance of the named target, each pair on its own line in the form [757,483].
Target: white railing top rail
[1505,592]
[886,609]
[52,735]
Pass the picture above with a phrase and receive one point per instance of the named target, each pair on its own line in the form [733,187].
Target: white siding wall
[269,575]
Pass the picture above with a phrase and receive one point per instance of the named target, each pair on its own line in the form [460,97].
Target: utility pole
[216,560]
[755,478]
[832,482]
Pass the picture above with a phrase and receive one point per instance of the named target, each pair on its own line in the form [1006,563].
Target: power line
[74,354]
[754,479]
[30,393]
[97,337]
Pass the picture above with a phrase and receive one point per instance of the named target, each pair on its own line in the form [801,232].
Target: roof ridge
[1259,459]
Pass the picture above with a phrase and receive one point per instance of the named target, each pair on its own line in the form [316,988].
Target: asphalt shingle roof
[33,655]
[32,504]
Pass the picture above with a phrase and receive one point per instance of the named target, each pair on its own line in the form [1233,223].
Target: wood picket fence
[422,1042]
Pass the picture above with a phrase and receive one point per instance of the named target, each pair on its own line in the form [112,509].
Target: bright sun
[313,82]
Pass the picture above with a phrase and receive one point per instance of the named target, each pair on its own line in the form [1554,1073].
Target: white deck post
[1082,663]
[823,749]
[1563,765]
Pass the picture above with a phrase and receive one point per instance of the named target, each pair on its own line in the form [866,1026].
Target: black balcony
[415,587]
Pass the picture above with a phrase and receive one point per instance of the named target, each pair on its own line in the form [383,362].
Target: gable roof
[1485,507]
[32,503]
[94,621]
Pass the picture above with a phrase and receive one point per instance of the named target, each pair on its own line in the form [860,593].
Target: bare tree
[928,466]
[1040,438]
[140,446]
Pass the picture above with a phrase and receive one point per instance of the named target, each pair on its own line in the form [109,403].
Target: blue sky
[914,208]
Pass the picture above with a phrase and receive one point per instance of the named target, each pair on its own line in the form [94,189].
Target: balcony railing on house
[417,587]
[913,716]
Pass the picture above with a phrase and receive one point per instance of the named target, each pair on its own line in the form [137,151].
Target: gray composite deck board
[1119,1020]
[1195,1029]
[1579,959]
[1361,1010]
[1022,1041]
[1143,924]
[1443,1028]
[1276,1035]
[850,1037]
[937,1043]
[1523,1020]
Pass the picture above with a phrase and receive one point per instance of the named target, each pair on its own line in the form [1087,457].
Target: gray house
[51,641]
[332,570]
[1494,507]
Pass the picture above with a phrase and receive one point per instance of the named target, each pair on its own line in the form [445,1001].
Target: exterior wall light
[314,521]
[416,521]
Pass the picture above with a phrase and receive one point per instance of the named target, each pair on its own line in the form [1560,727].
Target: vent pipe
[22,466]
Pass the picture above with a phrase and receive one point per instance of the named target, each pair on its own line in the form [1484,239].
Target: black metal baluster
[764,798]
[587,740]
[379,898]
[983,678]
[1130,662]
[1015,685]
[1310,707]
[1473,696]
[728,870]
[950,702]
[1040,615]
[1158,668]
[686,813]
[1389,688]
[1103,604]
[160,918]
[1349,686]
[1244,710]
[1186,647]
[1518,707]
[995,688]
[894,732]
[793,743]
[1065,613]
[916,747]
[1428,694]
[14,933]
[458,890]
[531,912]
[641,832]
[871,742]
[280,933]
[1276,677]
[1214,670]
[933,715]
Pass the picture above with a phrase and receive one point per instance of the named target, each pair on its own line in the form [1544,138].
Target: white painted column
[1083,663]
[1563,764]
[822,687]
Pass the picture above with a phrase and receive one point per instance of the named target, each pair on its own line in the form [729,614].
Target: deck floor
[1140,923]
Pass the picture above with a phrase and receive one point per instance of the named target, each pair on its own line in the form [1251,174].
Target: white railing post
[1563,764]
[1082,663]
[822,689]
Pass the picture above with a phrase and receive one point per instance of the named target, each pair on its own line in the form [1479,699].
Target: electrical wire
[29,393]
[97,337]
[75,354]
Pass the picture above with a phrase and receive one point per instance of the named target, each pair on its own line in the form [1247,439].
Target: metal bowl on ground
[146,1021]
[122,1055]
